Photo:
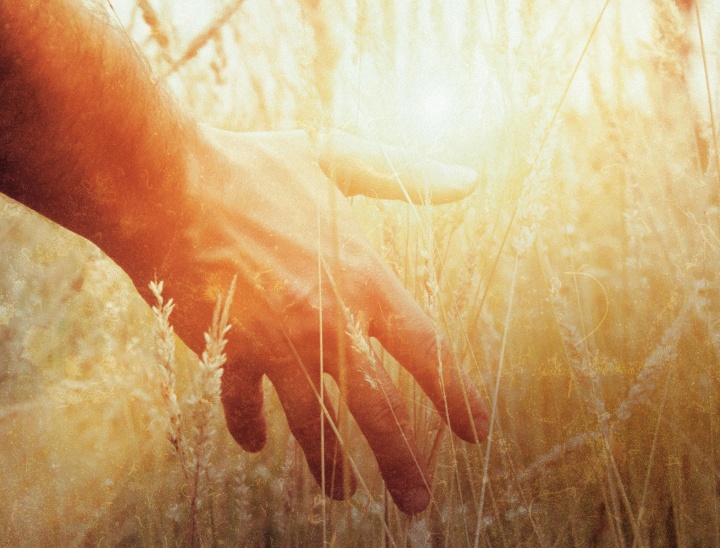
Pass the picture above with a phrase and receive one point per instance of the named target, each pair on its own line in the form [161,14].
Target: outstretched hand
[311,291]
[90,139]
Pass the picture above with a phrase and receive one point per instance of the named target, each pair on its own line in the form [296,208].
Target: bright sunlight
[578,286]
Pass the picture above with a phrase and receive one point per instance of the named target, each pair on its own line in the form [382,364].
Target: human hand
[91,141]
[310,293]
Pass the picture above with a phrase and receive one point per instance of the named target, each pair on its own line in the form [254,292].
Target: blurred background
[578,284]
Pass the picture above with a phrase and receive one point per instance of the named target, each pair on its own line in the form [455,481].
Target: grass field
[578,285]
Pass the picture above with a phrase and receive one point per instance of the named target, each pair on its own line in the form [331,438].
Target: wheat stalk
[191,436]
[203,400]
[164,339]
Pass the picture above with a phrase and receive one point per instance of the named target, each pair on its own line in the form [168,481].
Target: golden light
[436,105]
[432,113]
[580,279]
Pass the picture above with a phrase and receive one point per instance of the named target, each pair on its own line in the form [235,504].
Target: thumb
[372,169]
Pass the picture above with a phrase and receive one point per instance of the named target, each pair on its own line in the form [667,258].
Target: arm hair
[87,138]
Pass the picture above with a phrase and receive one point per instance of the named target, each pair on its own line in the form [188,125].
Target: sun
[433,110]
[435,104]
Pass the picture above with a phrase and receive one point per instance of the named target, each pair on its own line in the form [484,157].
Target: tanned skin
[89,139]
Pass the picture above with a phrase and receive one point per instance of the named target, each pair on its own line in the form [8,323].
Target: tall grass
[578,286]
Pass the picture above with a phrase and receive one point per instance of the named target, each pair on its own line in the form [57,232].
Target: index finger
[414,341]
[358,166]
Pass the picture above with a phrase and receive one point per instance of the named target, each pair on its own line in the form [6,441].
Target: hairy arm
[86,137]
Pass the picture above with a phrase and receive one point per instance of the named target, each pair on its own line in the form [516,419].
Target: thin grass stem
[493,412]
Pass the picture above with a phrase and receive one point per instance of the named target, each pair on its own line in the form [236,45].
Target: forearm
[86,137]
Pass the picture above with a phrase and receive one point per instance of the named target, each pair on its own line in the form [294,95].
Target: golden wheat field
[578,285]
